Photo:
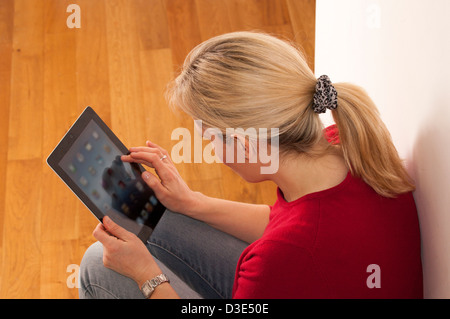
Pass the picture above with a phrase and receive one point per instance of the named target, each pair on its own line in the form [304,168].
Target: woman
[344,224]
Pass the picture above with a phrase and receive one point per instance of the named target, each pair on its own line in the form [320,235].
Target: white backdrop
[399,51]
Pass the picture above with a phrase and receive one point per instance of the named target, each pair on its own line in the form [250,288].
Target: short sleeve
[273,270]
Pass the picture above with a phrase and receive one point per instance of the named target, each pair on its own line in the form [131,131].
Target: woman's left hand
[125,253]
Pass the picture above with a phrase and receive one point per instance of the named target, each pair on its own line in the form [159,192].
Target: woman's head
[248,80]
[254,80]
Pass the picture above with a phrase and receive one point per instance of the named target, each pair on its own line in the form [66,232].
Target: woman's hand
[125,253]
[170,188]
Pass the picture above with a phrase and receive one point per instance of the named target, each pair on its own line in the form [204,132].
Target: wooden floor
[119,62]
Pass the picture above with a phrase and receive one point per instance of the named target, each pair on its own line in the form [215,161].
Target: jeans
[199,260]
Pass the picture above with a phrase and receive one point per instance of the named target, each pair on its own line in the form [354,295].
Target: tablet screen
[116,188]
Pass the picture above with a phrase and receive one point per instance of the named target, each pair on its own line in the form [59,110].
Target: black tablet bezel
[66,143]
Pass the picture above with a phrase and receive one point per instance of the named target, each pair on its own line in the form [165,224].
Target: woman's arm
[244,221]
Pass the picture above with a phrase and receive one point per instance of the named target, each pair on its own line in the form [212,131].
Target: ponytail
[366,143]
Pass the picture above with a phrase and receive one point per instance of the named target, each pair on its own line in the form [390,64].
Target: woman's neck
[300,175]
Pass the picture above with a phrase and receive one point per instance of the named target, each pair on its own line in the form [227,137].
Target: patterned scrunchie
[325,96]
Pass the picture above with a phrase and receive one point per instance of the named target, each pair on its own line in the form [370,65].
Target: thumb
[115,229]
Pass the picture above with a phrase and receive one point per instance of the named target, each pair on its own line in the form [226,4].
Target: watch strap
[149,286]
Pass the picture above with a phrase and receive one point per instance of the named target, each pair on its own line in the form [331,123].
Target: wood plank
[22,234]
[213,18]
[183,28]
[58,256]
[27,86]
[151,24]
[160,121]
[257,14]
[92,71]
[21,230]
[6,31]
[125,74]
[60,94]
[303,17]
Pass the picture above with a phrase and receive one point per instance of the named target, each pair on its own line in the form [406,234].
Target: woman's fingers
[141,158]
[153,145]
[135,150]
[169,188]
[135,158]
[152,149]
[155,157]
[153,160]
[144,149]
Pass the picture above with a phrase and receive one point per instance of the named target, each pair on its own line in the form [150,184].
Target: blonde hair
[254,80]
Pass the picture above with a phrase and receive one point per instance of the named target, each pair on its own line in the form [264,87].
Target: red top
[342,242]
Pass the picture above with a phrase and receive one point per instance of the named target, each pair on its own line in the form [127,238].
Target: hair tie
[325,96]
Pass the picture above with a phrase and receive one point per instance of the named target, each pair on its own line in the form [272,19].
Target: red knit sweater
[322,245]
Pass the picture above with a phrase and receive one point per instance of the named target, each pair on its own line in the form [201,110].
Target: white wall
[399,51]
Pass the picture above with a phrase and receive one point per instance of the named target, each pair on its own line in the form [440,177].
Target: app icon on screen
[72,168]
[144,214]
[92,170]
[95,194]
[99,160]
[125,208]
[140,187]
[148,207]
[83,181]
[80,157]
[153,200]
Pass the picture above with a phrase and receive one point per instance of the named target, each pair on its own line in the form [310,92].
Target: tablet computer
[88,160]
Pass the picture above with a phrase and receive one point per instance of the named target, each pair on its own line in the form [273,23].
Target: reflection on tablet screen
[93,163]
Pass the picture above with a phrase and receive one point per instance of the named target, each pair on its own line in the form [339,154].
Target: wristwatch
[149,286]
